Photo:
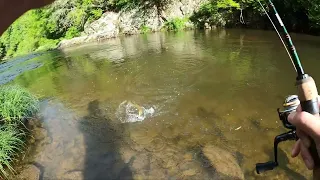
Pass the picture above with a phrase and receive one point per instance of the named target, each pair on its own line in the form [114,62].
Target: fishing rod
[307,97]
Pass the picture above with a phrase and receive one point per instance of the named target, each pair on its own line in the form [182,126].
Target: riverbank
[17,107]
[145,18]
[86,21]
[95,22]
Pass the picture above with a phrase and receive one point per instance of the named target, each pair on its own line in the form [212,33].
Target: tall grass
[11,142]
[16,103]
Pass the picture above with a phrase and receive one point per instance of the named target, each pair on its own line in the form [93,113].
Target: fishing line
[274,26]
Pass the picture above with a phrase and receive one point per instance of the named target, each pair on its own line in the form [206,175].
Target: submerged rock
[223,162]
[40,134]
[30,172]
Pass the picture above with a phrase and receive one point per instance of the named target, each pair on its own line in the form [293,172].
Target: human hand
[308,126]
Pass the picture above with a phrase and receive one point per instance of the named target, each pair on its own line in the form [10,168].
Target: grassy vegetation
[16,104]
[145,29]
[11,143]
[176,24]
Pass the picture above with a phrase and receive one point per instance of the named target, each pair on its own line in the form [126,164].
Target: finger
[306,156]
[306,122]
[299,109]
[296,149]
[304,138]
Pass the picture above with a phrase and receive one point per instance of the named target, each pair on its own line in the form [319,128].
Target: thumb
[307,122]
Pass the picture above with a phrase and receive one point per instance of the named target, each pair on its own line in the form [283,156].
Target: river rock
[130,21]
[73,175]
[30,172]
[40,134]
[223,162]
[107,25]
[104,28]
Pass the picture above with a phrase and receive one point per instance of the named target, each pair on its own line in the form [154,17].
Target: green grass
[11,144]
[16,103]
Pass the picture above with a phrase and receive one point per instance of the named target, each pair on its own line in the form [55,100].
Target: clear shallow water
[208,89]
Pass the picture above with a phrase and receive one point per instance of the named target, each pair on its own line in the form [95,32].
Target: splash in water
[131,112]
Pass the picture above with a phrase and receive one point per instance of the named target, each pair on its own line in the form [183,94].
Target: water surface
[213,89]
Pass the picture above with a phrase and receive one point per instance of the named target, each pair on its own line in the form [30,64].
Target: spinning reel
[290,105]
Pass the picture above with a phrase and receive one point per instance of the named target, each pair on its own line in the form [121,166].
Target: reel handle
[308,95]
[262,167]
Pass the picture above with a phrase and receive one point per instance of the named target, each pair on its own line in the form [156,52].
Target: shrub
[210,13]
[176,24]
[144,29]
[72,32]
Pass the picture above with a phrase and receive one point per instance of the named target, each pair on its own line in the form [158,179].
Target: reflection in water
[203,85]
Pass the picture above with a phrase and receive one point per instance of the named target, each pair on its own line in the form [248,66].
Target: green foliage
[64,19]
[120,4]
[16,103]
[144,29]
[176,24]
[11,144]
[72,32]
[313,8]
[224,4]
[47,44]
[2,50]
[208,13]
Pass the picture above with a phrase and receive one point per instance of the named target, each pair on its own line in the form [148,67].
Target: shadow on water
[102,139]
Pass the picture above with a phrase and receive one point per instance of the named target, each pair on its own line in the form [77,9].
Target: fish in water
[131,112]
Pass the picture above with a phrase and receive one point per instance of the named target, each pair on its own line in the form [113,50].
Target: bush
[176,24]
[16,103]
[210,13]
[11,144]
[144,29]
[72,32]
